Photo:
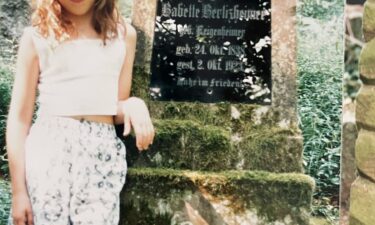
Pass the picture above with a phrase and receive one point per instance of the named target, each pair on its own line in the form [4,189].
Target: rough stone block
[365,108]
[270,149]
[165,197]
[365,153]
[366,61]
[362,198]
[143,19]
[369,20]
[183,144]
[348,166]
[189,144]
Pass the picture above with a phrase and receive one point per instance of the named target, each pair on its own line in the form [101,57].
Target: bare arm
[20,117]
[132,111]
[125,81]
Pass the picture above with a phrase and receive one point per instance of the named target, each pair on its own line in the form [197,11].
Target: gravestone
[225,158]
[212,51]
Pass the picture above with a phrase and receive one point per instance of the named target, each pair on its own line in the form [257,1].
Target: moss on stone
[140,83]
[142,215]
[273,196]
[253,138]
[270,148]
[189,144]
[183,144]
[216,137]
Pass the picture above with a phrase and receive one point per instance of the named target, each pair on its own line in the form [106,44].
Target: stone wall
[362,196]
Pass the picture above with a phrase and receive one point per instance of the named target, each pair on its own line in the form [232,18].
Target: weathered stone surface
[284,60]
[143,19]
[189,144]
[348,166]
[164,197]
[365,108]
[365,153]
[184,144]
[366,61]
[369,20]
[362,195]
[270,149]
[356,26]
[362,198]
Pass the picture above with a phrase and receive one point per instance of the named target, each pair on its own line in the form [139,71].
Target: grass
[320,71]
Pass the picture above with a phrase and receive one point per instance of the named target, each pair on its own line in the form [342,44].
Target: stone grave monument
[219,78]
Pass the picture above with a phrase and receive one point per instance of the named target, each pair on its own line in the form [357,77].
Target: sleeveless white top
[78,77]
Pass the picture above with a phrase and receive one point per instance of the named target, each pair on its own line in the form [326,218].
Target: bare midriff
[95,118]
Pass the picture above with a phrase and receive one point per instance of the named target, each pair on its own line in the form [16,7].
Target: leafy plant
[321,9]
[5,201]
[6,81]
[320,64]
[14,15]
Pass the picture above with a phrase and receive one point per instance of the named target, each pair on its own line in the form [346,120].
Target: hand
[137,115]
[21,210]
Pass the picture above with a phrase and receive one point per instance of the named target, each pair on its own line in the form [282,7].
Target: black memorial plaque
[212,51]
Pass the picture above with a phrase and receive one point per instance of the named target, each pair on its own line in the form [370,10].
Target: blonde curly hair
[50,20]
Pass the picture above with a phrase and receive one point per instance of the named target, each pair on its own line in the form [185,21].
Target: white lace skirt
[75,171]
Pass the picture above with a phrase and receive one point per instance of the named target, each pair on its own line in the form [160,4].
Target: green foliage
[13,17]
[6,82]
[125,7]
[320,60]
[5,200]
[321,9]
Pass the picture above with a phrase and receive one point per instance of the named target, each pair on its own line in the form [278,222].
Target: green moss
[189,144]
[273,196]
[183,144]
[228,175]
[140,83]
[192,144]
[271,149]
[145,215]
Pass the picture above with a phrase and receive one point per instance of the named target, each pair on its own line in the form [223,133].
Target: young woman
[69,167]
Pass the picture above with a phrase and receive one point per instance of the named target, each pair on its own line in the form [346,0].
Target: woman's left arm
[132,111]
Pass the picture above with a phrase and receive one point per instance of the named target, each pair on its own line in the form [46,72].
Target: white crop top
[78,77]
